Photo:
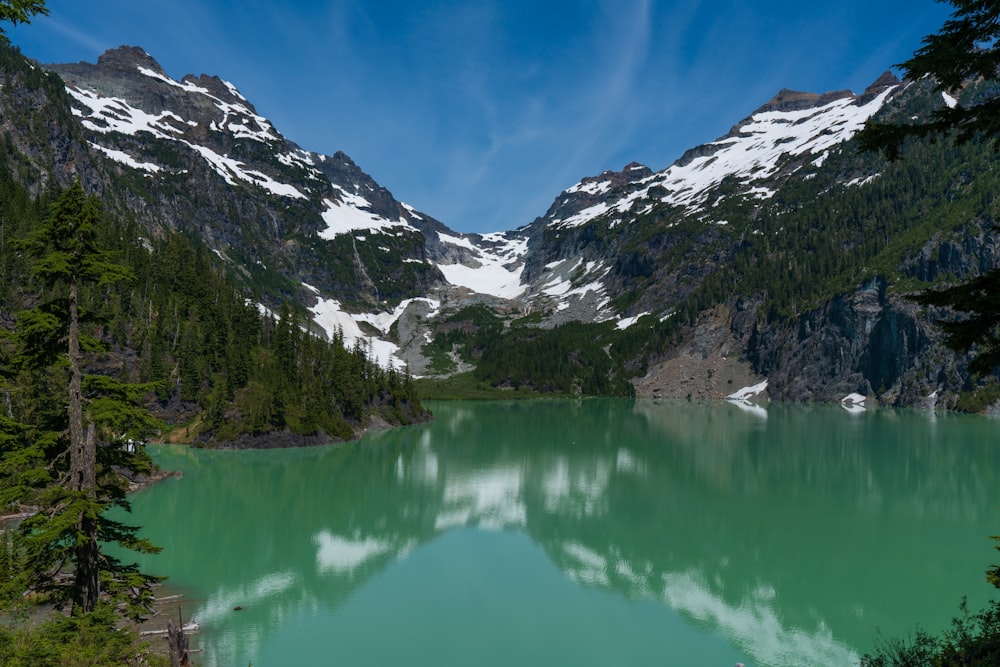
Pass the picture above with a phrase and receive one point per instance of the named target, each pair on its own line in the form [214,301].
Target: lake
[583,532]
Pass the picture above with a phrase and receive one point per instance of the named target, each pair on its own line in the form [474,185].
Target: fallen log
[191,627]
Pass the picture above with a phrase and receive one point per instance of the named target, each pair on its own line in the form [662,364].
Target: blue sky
[480,113]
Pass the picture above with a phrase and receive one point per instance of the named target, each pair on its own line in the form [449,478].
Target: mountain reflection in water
[780,539]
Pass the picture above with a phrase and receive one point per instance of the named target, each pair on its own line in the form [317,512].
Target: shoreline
[286,439]
[174,603]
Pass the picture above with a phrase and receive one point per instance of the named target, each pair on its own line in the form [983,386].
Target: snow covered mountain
[296,223]
[633,248]
[569,277]
[788,134]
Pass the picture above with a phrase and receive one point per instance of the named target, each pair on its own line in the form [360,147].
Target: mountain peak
[885,81]
[129,57]
[219,88]
[633,167]
[794,100]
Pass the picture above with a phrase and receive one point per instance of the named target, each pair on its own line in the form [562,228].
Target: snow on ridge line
[457,241]
[227,108]
[754,154]
[591,187]
[233,90]
[121,117]
[412,211]
[772,134]
[183,85]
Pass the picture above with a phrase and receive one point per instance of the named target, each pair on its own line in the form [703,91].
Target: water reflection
[757,626]
[795,534]
[749,407]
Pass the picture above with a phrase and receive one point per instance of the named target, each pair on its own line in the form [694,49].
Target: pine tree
[963,50]
[21,11]
[69,260]
[966,48]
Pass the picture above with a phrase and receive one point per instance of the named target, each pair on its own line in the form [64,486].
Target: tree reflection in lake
[777,539]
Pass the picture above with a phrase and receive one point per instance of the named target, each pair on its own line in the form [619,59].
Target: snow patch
[126,159]
[332,318]
[328,314]
[626,322]
[384,320]
[748,392]
[349,214]
[591,188]
[861,180]
[111,114]
[488,278]
[231,169]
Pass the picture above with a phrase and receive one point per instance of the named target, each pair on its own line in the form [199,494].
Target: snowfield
[499,265]
[331,317]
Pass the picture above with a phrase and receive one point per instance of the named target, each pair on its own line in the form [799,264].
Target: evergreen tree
[966,48]
[69,259]
[21,11]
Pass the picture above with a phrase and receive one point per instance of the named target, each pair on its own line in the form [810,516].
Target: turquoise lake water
[587,532]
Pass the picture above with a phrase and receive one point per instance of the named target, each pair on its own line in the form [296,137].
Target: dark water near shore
[594,532]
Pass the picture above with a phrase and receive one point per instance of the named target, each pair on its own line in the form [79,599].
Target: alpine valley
[773,261]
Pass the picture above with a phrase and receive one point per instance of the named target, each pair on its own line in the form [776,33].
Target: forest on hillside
[203,347]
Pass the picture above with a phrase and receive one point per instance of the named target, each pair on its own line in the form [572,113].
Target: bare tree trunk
[83,470]
[177,643]
[77,456]
[87,583]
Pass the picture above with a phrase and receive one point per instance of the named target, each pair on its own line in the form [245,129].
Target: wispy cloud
[79,36]
[481,111]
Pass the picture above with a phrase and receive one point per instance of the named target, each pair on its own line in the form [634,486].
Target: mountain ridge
[627,248]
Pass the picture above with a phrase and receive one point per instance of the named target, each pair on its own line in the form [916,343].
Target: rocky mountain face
[196,157]
[652,240]
[738,247]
